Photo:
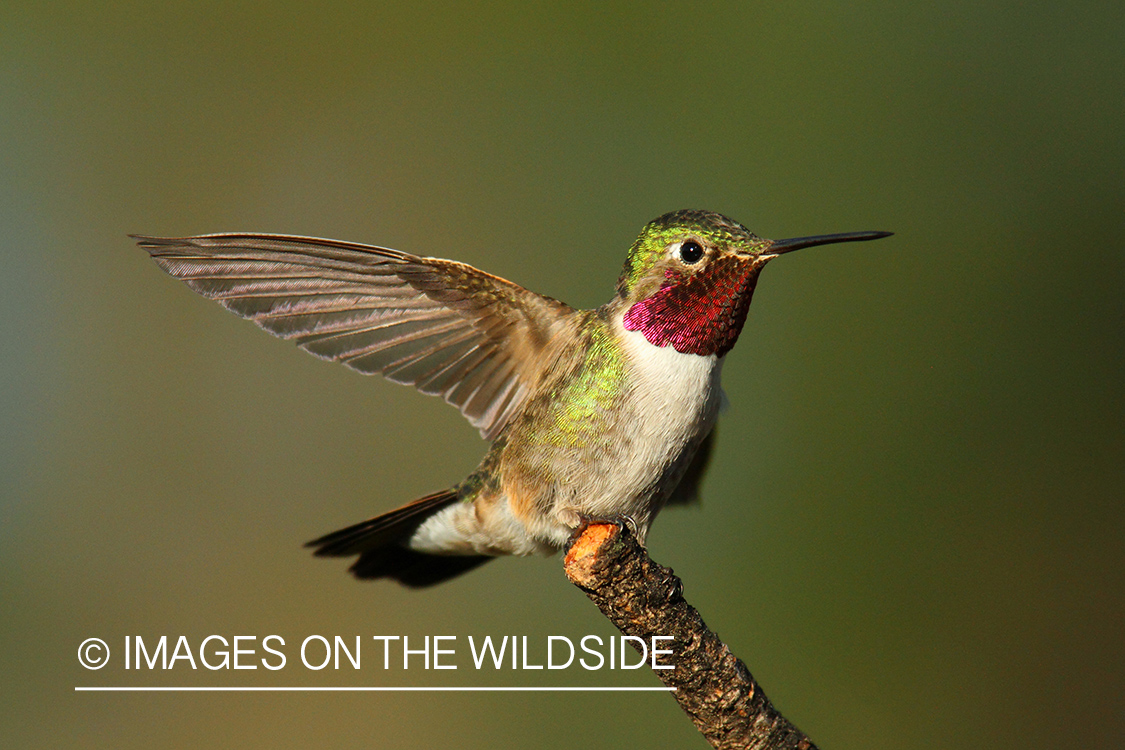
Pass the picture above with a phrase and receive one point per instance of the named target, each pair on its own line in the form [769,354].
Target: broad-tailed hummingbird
[591,414]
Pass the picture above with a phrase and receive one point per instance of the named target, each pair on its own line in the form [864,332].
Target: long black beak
[787,246]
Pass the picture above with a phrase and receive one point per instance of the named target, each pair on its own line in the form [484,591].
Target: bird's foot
[671,584]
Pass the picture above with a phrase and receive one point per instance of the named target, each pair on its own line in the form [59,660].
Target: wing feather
[444,327]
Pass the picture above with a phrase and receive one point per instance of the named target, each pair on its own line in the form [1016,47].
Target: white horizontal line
[299,689]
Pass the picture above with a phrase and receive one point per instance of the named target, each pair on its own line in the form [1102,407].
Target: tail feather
[393,526]
[412,568]
[380,543]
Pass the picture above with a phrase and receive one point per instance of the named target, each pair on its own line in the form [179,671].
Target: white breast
[674,402]
[674,391]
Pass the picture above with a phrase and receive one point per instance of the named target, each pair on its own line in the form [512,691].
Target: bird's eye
[690,252]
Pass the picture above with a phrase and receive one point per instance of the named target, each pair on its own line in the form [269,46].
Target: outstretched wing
[446,328]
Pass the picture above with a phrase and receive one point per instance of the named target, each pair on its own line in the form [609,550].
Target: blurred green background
[913,529]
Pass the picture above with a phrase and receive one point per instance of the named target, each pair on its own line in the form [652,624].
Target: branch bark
[645,599]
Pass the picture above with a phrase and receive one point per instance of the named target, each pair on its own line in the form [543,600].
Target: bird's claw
[672,583]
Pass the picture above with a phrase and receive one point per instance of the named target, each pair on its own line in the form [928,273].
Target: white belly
[673,404]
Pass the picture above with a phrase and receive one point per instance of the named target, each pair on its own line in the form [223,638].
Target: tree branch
[644,599]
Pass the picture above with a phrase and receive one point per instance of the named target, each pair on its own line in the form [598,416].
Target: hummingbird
[602,414]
